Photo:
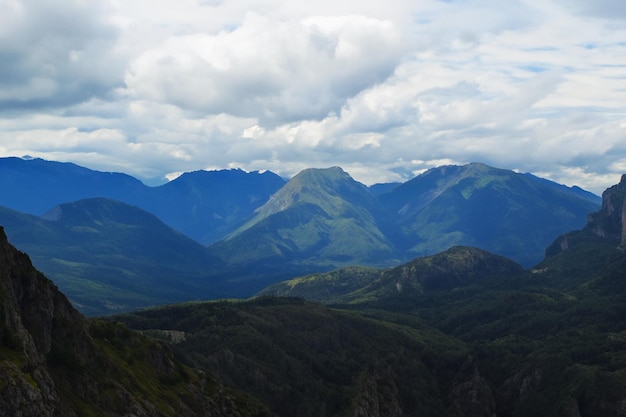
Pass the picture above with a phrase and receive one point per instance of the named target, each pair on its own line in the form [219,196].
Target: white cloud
[383,89]
[272,70]
[55,53]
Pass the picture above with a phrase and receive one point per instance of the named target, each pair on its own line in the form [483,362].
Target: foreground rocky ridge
[54,362]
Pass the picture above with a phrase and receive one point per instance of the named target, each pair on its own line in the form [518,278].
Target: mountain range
[204,205]
[55,362]
[108,256]
[461,333]
[215,234]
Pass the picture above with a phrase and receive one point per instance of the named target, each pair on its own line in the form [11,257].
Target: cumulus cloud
[272,70]
[383,89]
[55,53]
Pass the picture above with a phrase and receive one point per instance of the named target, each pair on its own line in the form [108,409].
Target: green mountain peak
[321,216]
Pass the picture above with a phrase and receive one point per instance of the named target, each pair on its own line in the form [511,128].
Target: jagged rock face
[624,224]
[608,222]
[27,312]
[606,225]
[54,362]
[378,397]
[471,395]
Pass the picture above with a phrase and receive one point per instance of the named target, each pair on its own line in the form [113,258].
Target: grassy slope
[319,220]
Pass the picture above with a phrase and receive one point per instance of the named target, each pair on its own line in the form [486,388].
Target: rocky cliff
[54,362]
[608,221]
[607,225]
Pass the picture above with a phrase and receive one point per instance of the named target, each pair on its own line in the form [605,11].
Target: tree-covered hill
[322,218]
[475,334]
[55,362]
[507,213]
[453,269]
[109,257]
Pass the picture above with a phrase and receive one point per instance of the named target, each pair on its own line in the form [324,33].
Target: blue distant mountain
[108,256]
[258,229]
[204,205]
[498,210]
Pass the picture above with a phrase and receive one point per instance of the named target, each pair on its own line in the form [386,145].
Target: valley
[461,332]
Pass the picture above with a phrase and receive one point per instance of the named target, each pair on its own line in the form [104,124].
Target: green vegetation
[110,257]
[528,344]
[469,331]
[321,218]
[305,359]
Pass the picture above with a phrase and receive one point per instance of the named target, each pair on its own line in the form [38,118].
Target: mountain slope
[306,360]
[54,362]
[34,186]
[207,205]
[549,341]
[514,215]
[204,205]
[321,218]
[575,256]
[109,256]
[450,270]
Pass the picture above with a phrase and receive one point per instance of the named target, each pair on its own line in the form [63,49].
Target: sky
[384,89]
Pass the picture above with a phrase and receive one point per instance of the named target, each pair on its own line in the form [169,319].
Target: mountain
[54,362]
[452,269]
[207,205]
[321,218]
[108,256]
[609,222]
[600,245]
[382,188]
[264,230]
[465,333]
[306,360]
[511,214]
[34,186]
[204,205]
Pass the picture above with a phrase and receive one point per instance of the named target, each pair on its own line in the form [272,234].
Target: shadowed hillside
[54,362]
[462,333]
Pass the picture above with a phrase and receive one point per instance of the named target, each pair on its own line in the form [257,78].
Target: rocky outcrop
[471,395]
[608,222]
[55,362]
[26,314]
[607,225]
[623,243]
[378,396]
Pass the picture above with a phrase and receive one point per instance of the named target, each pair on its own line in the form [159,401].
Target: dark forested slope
[54,362]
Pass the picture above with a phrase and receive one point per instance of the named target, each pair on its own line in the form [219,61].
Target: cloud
[383,89]
[272,70]
[611,9]
[55,53]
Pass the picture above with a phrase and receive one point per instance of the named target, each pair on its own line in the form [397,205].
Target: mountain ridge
[54,362]
[452,269]
[478,205]
[311,214]
[481,337]
[319,220]
[187,203]
[107,255]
